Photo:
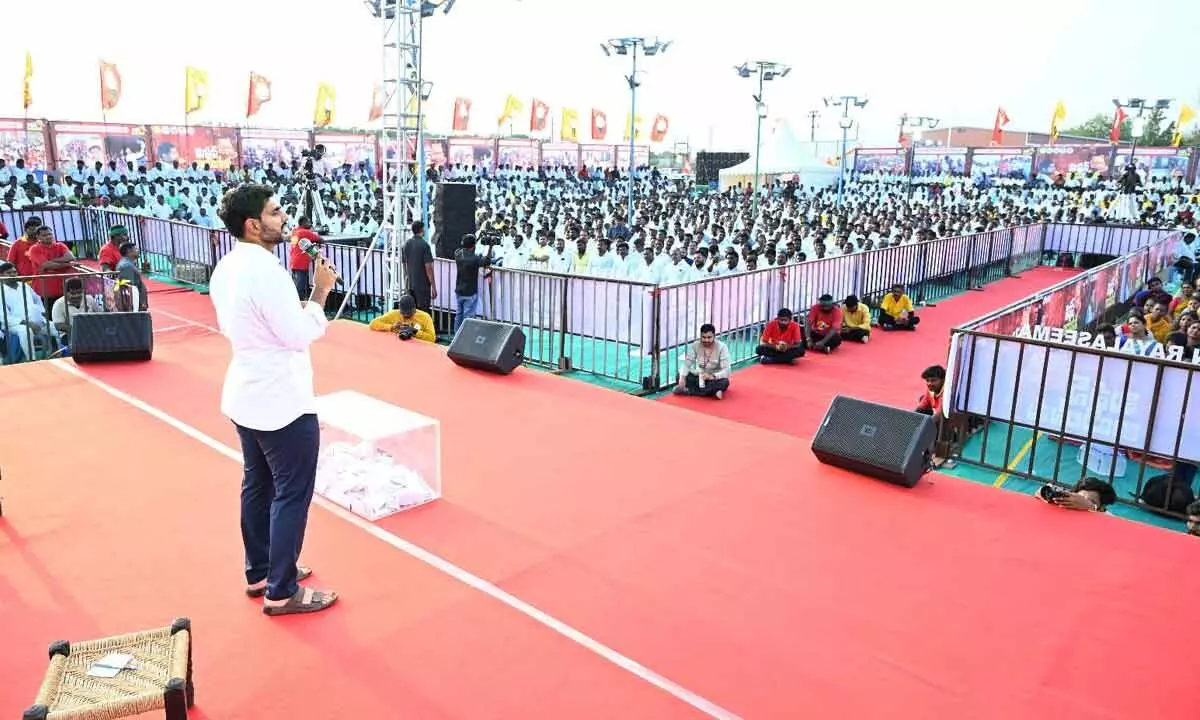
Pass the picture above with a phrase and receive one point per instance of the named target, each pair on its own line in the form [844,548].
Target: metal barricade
[35,317]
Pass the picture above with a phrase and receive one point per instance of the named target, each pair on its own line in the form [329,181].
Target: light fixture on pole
[845,102]
[766,70]
[630,46]
[914,121]
[1138,126]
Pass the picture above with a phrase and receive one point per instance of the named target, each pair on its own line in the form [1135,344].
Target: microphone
[306,246]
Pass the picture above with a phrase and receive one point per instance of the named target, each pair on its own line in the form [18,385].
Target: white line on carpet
[625,663]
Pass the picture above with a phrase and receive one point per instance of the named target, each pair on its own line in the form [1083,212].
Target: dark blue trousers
[280,472]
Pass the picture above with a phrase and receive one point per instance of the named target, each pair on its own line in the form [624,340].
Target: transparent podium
[377,459]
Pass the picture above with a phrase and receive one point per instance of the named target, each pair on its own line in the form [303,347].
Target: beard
[272,237]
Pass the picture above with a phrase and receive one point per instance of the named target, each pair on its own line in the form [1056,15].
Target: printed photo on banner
[212,146]
[24,140]
[99,143]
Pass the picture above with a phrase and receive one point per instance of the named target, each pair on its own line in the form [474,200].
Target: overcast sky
[952,59]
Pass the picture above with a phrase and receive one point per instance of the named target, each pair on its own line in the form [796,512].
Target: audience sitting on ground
[896,310]
[824,325]
[706,366]
[856,320]
[23,318]
[69,305]
[930,403]
[782,340]
[407,321]
[1091,494]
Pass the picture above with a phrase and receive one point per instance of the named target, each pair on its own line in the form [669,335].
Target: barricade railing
[37,328]
[1038,395]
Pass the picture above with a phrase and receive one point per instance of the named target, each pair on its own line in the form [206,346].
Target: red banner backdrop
[518,153]
[480,152]
[272,146]
[98,143]
[216,147]
[24,139]
[347,149]
[601,156]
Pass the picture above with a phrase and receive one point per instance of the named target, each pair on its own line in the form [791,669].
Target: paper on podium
[376,459]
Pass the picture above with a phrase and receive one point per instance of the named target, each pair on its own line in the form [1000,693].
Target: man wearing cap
[856,320]
[110,254]
[824,325]
[782,341]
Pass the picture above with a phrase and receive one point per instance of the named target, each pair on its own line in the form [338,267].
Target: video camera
[492,232]
[311,156]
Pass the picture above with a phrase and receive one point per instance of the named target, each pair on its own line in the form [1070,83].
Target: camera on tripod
[492,232]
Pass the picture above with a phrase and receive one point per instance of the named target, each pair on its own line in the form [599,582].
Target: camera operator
[466,285]
[407,321]
[1130,182]
[1091,494]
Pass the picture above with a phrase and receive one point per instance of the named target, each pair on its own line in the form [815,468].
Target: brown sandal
[302,574]
[297,606]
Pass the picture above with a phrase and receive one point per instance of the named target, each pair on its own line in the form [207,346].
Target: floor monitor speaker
[111,336]
[491,346]
[877,440]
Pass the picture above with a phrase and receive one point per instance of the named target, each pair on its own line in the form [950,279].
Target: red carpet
[720,556]
[793,399]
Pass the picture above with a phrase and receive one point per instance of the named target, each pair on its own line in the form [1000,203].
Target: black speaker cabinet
[876,440]
[453,217]
[111,336]
[491,346]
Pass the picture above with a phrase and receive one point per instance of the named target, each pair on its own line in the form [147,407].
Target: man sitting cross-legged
[706,367]
[896,311]
[824,325]
[782,340]
[856,320]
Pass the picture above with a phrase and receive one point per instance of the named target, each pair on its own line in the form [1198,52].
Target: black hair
[126,247]
[244,202]
[73,284]
[1194,508]
[1107,494]
[708,328]
[33,223]
[418,228]
[934,372]
[784,313]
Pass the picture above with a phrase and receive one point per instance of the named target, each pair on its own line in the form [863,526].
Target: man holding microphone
[268,394]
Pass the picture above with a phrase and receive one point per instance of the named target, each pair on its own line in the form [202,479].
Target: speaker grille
[112,336]
[869,433]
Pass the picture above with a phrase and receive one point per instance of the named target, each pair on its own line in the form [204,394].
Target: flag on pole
[1119,117]
[599,124]
[462,114]
[325,112]
[110,86]
[998,127]
[539,113]
[377,101]
[569,127]
[1060,114]
[260,92]
[195,89]
[1186,115]
[28,83]
[512,106]
[658,131]
[633,127]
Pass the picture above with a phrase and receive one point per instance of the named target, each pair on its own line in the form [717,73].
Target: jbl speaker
[491,346]
[876,440]
[111,336]
[453,216]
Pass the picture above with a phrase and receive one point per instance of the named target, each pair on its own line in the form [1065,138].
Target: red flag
[998,127]
[658,131]
[1114,135]
[376,103]
[599,124]
[110,85]
[462,114]
[538,111]
[260,92]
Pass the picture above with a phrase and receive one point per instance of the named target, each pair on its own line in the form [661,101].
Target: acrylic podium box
[377,459]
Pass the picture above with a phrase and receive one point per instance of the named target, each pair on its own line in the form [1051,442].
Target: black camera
[492,232]
[408,332]
[1049,493]
[315,153]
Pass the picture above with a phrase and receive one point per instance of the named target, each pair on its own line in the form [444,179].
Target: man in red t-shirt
[52,259]
[18,253]
[110,254]
[782,340]
[298,260]
[824,325]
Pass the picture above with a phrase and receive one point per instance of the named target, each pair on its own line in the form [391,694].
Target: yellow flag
[1060,114]
[512,106]
[28,84]
[195,89]
[570,125]
[1186,115]
[633,126]
[325,113]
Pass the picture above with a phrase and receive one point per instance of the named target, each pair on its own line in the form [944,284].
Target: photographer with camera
[1091,494]
[407,321]
[466,285]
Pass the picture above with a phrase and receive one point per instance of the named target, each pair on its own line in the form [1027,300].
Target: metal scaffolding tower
[403,137]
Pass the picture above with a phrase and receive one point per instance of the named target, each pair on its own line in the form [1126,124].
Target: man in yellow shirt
[896,311]
[406,321]
[856,320]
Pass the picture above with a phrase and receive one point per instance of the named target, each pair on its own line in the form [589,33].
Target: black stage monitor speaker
[111,336]
[492,346]
[453,216]
[876,440]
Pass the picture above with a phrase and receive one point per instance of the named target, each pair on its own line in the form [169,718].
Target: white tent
[784,158]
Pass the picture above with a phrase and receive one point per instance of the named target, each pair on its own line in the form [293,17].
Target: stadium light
[1138,128]
[766,70]
[630,46]
[845,102]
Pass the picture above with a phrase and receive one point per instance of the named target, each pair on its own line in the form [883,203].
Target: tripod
[312,208]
